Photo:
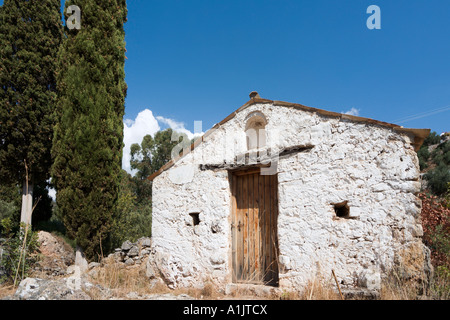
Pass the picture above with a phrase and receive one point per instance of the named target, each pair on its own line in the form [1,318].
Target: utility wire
[422,115]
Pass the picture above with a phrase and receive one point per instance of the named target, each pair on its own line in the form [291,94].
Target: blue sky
[199,60]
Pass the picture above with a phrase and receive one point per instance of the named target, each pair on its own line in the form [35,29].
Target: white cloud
[178,126]
[134,131]
[146,123]
[52,193]
[352,112]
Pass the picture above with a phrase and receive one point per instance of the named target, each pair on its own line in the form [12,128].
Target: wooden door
[254,227]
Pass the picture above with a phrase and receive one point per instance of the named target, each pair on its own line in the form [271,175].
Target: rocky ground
[129,274]
[57,277]
[126,274]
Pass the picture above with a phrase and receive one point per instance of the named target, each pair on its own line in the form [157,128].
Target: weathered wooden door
[254,227]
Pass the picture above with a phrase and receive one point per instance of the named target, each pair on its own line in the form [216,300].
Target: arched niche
[255,130]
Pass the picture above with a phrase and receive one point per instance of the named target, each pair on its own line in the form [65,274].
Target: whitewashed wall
[373,168]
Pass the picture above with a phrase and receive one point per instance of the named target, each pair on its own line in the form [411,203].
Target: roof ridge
[419,134]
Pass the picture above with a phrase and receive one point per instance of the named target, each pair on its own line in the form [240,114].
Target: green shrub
[8,214]
[441,240]
[433,138]
[132,225]
[423,156]
[440,288]
[18,258]
[447,197]
[442,153]
[438,179]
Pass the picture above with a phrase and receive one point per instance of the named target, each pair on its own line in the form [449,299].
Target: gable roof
[419,134]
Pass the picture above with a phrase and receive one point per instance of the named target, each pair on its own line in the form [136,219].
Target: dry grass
[440,286]
[396,287]
[121,280]
[207,292]
[7,290]
[317,290]
[392,290]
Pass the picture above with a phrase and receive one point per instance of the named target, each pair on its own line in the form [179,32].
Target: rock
[169,296]
[150,271]
[129,262]
[74,282]
[93,273]
[40,289]
[93,265]
[134,251]
[126,245]
[70,269]
[133,296]
[144,252]
[145,242]
[56,255]
[370,279]
[50,245]
[80,260]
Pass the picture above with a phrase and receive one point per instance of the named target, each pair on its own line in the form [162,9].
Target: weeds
[19,254]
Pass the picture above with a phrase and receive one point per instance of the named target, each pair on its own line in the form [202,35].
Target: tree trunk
[27,202]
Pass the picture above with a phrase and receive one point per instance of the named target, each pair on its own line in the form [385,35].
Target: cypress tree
[88,141]
[30,35]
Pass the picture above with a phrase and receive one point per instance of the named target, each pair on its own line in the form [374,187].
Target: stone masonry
[369,166]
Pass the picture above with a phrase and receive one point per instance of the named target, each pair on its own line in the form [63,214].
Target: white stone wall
[373,168]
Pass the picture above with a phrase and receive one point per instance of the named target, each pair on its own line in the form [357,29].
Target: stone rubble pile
[64,289]
[133,253]
[77,284]
[55,255]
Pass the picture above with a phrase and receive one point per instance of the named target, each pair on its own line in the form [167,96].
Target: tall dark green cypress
[30,35]
[88,141]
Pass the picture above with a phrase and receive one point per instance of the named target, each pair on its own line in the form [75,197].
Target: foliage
[437,162]
[154,152]
[134,203]
[433,138]
[18,258]
[436,227]
[134,217]
[440,287]
[436,210]
[30,34]
[151,155]
[423,154]
[442,153]
[132,225]
[438,179]
[88,140]
[6,226]
[447,197]
[7,211]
